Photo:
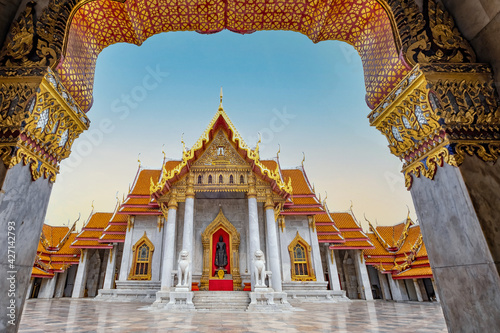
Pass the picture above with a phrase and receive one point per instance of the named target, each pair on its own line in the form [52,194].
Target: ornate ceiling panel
[361,23]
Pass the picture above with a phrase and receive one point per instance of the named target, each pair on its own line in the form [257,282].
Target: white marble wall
[61,283]
[48,287]
[300,224]
[149,225]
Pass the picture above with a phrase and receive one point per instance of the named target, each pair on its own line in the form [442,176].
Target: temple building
[208,215]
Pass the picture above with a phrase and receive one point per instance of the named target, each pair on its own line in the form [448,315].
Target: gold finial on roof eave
[220,104]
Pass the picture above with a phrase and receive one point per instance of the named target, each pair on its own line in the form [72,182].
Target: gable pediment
[220,152]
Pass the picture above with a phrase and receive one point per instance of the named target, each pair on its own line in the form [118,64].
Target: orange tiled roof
[305,201]
[413,234]
[106,237]
[89,234]
[379,250]
[119,218]
[299,183]
[391,234]
[98,220]
[344,221]
[331,238]
[66,249]
[140,209]
[353,245]
[143,183]
[54,234]
[137,201]
[115,228]
[327,228]
[308,209]
[414,273]
[270,164]
[86,243]
[353,235]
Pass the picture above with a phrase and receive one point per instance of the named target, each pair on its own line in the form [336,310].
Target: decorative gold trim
[187,156]
[312,222]
[311,276]
[143,239]
[219,222]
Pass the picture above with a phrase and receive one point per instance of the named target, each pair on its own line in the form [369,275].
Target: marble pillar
[395,289]
[435,289]
[333,274]
[109,277]
[23,204]
[253,233]
[61,284]
[81,275]
[417,290]
[188,230]
[316,253]
[30,288]
[362,274]
[384,286]
[126,255]
[273,250]
[460,210]
[168,247]
[48,287]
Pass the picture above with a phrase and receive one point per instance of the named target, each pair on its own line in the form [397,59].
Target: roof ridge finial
[221,95]
[303,159]
[279,151]
[138,160]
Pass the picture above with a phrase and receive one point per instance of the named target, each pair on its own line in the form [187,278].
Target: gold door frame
[221,221]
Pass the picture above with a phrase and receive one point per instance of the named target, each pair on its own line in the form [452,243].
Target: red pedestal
[226,285]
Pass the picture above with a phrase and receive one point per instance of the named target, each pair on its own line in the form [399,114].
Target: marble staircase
[221,301]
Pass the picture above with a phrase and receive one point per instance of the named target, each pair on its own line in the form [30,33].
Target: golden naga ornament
[40,122]
[439,114]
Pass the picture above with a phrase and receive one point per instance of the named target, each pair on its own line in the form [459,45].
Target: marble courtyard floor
[85,315]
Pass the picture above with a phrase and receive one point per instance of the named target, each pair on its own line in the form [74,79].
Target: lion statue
[259,269]
[183,270]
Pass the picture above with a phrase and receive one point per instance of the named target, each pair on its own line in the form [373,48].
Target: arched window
[210,179]
[300,259]
[231,179]
[242,180]
[143,255]
[199,179]
[221,180]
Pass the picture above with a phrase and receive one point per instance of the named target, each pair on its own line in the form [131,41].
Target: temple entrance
[221,262]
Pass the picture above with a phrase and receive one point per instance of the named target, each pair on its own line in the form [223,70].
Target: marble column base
[180,301]
[267,300]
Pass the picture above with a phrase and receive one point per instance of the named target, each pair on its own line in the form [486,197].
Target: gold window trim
[311,276]
[142,240]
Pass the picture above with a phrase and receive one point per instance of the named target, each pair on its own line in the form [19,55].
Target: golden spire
[220,104]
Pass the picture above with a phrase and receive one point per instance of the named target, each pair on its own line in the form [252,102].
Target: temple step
[221,300]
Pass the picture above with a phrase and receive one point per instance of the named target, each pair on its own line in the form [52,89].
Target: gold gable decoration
[188,155]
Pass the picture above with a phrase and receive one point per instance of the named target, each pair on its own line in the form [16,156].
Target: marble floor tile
[86,315]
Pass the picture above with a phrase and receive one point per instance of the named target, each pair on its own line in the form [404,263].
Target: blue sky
[306,97]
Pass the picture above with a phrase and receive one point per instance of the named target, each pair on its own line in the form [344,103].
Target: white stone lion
[183,270]
[259,269]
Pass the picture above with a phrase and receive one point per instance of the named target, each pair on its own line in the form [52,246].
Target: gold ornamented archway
[234,244]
